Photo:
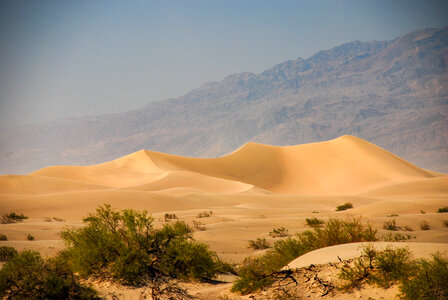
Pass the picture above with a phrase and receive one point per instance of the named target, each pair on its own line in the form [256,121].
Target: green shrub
[383,268]
[314,222]
[6,253]
[256,272]
[279,232]
[344,206]
[199,225]
[258,244]
[3,237]
[396,237]
[428,281]
[12,218]
[205,214]
[443,209]
[125,246]
[170,217]
[424,225]
[391,225]
[30,237]
[28,276]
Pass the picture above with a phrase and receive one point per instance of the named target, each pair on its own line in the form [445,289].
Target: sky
[65,58]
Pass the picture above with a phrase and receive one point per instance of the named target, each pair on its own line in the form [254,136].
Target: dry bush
[344,206]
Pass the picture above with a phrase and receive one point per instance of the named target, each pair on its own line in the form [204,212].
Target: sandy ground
[250,191]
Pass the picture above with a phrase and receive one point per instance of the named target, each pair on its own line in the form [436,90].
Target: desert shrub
[335,231]
[314,222]
[445,223]
[12,218]
[279,232]
[124,245]
[424,225]
[396,237]
[28,276]
[422,212]
[258,244]
[30,237]
[6,253]
[58,219]
[199,225]
[392,215]
[47,219]
[3,237]
[315,212]
[205,214]
[391,225]
[383,268]
[443,209]
[408,228]
[170,217]
[428,281]
[344,206]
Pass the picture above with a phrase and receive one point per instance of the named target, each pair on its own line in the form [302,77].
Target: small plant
[47,219]
[3,237]
[445,223]
[391,225]
[443,209]
[315,212]
[6,253]
[279,232]
[344,206]
[12,218]
[58,219]
[170,217]
[30,237]
[408,228]
[198,225]
[397,237]
[259,244]
[313,222]
[205,214]
[424,225]
[422,212]
[392,215]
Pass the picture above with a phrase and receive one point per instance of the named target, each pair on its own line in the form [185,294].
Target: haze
[63,58]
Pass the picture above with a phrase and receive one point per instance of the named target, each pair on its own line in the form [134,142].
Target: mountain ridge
[392,93]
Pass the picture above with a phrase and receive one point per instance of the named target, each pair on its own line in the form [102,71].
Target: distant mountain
[392,93]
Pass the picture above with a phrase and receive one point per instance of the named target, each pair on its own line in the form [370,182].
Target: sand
[250,191]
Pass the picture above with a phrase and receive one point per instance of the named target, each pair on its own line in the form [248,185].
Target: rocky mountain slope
[392,93]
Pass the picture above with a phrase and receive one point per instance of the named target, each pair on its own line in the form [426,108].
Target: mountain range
[391,93]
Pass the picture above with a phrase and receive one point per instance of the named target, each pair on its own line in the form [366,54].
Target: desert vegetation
[3,237]
[279,232]
[424,225]
[417,279]
[6,253]
[259,244]
[258,272]
[169,216]
[314,222]
[12,218]
[443,209]
[344,206]
[205,214]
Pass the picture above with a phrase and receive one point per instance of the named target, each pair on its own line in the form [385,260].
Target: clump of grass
[312,222]
[58,219]
[170,217]
[445,223]
[391,225]
[47,219]
[30,237]
[205,214]
[198,225]
[279,232]
[392,215]
[6,253]
[259,244]
[12,218]
[396,237]
[3,237]
[422,212]
[345,206]
[424,225]
[256,272]
[443,209]
[315,212]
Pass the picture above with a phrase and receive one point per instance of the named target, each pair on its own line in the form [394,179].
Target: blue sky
[71,58]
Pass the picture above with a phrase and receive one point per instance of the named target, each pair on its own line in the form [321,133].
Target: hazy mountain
[392,93]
